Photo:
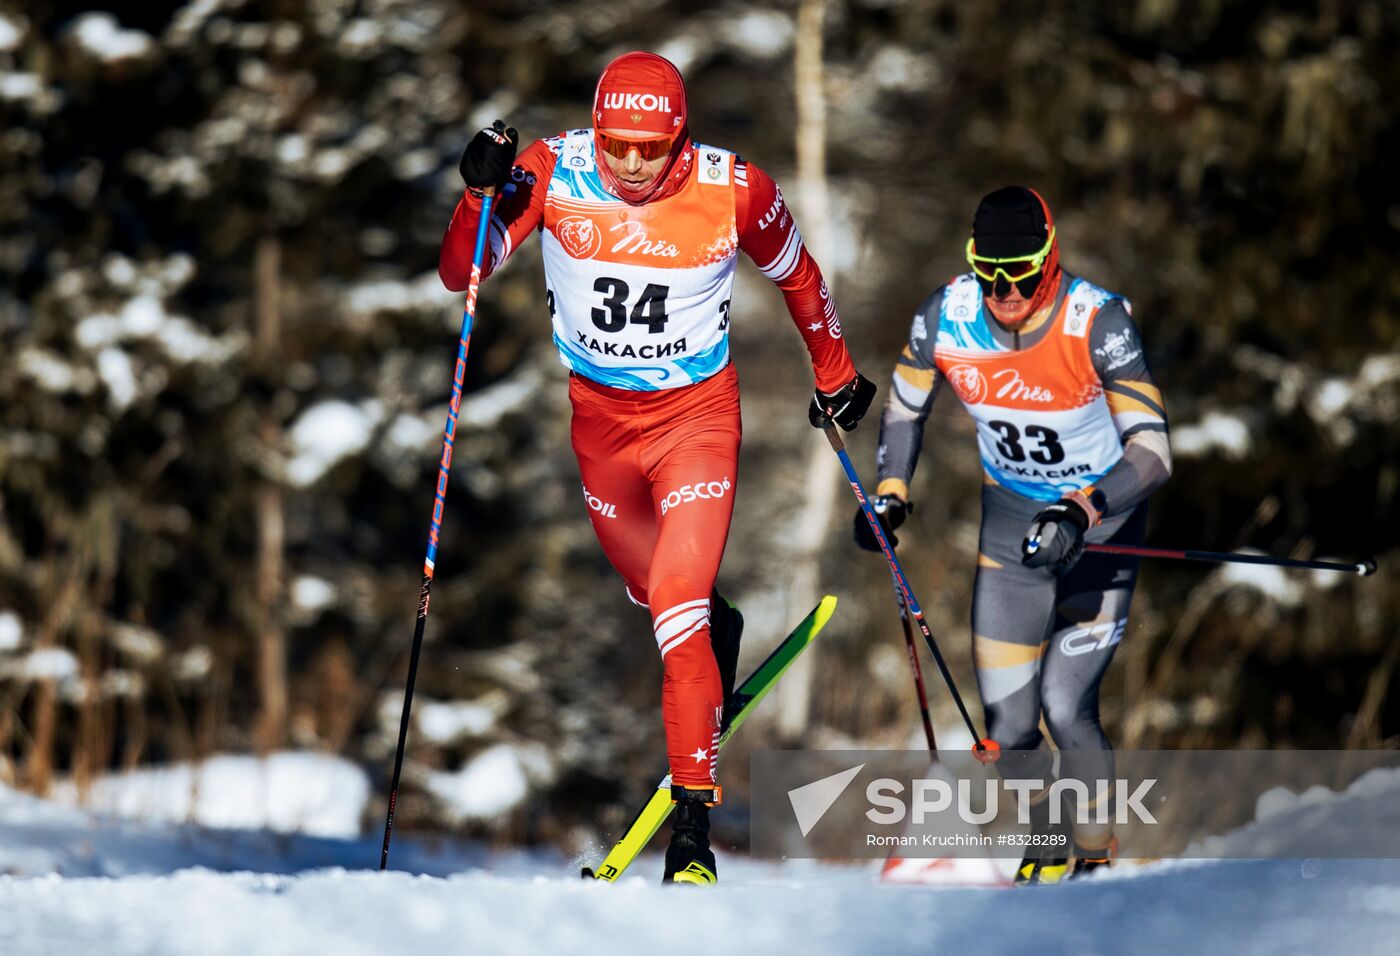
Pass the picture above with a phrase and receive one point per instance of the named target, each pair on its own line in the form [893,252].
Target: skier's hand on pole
[487,193]
[985,750]
[891,510]
[846,406]
[487,160]
[1055,538]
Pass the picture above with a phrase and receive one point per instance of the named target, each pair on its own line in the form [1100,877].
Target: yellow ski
[745,697]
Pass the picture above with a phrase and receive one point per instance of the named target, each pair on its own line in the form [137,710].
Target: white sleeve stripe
[499,238]
[790,259]
[1126,420]
[909,394]
[781,252]
[786,261]
[496,241]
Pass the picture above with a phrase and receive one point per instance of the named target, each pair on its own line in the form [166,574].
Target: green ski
[741,704]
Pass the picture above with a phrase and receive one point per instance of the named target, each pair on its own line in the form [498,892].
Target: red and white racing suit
[639,297]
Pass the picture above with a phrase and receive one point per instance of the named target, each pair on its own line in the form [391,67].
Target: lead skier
[641,228]
[1073,439]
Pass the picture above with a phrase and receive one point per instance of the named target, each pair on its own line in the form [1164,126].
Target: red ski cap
[641,92]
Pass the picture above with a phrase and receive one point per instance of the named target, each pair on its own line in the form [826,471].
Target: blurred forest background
[225,359]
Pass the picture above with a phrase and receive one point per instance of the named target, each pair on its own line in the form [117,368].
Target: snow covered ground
[77,883]
[306,793]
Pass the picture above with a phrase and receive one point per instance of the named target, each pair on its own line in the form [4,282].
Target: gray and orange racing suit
[1067,407]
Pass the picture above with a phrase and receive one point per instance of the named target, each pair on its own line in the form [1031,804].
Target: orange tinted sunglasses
[649,149]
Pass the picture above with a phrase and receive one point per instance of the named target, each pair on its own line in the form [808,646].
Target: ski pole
[449,436]
[914,663]
[1364,567]
[985,749]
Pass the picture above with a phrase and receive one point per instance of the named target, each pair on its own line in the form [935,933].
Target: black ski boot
[689,858]
[726,630]
[1087,861]
[1047,857]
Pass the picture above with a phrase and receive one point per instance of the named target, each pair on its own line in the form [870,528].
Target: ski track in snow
[1233,908]
[84,884]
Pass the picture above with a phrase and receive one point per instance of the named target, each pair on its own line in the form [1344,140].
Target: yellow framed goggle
[1015,268]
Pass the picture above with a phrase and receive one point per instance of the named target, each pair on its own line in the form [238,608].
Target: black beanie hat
[1010,222]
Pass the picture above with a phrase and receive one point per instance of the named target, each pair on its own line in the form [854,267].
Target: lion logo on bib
[579,236]
[968,382]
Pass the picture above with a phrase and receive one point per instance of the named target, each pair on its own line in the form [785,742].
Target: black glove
[489,156]
[1055,538]
[845,406]
[891,511]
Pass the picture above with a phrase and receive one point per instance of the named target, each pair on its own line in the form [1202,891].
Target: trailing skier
[1073,439]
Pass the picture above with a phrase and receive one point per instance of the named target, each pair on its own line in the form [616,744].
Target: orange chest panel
[1055,374]
[694,228]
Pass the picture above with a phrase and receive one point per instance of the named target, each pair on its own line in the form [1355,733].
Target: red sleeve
[514,216]
[769,236]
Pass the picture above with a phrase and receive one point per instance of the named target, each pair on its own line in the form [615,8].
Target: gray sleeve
[1137,408]
[913,388]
